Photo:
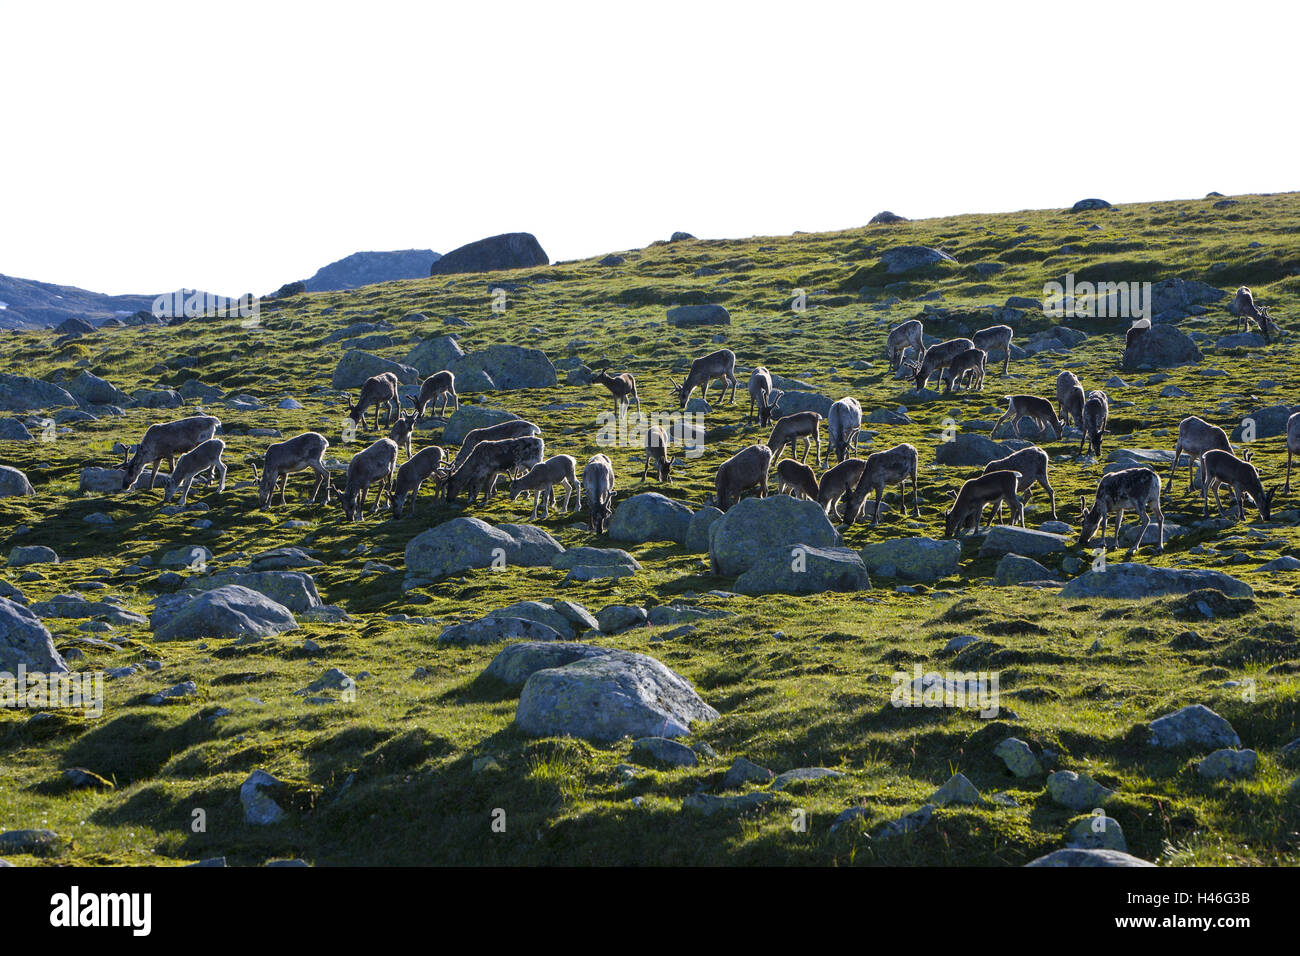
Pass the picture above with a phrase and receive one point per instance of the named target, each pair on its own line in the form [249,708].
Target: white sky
[236,146]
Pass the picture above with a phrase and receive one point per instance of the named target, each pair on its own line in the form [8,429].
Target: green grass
[389,779]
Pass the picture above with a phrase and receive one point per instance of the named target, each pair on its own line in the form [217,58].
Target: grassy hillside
[390,778]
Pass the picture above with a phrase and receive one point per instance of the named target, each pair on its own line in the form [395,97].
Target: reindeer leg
[1286,490]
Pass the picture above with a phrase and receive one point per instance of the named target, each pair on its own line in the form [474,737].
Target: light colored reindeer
[1292,446]
[380,391]
[166,440]
[1196,436]
[762,395]
[541,481]
[1031,464]
[305,451]
[425,464]
[622,387]
[205,459]
[884,468]
[745,469]
[796,479]
[790,428]
[716,365]
[439,389]
[993,338]
[1135,488]
[656,450]
[908,335]
[978,493]
[1029,406]
[1069,398]
[1219,468]
[598,483]
[936,359]
[844,423]
[1243,306]
[376,463]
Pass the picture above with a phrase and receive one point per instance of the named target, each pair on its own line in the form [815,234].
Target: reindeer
[598,482]
[1292,446]
[622,387]
[1136,488]
[978,493]
[656,450]
[837,483]
[716,365]
[971,362]
[205,459]
[1195,437]
[403,429]
[1096,417]
[296,454]
[1243,306]
[884,468]
[764,395]
[378,463]
[439,389]
[380,391]
[791,428]
[488,461]
[745,469]
[1029,406]
[426,463]
[844,422]
[515,428]
[1069,398]
[1031,464]
[1219,468]
[993,338]
[796,479]
[560,469]
[908,335]
[166,440]
[937,359]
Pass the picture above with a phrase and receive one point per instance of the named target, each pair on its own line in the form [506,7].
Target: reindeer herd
[515,449]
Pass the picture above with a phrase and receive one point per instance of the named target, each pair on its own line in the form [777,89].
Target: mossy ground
[388,778]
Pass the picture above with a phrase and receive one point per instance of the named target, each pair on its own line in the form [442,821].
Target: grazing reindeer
[1195,437]
[1292,446]
[1136,488]
[1031,463]
[439,389]
[296,454]
[1069,398]
[380,391]
[720,365]
[837,483]
[763,395]
[977,494]
[515,428]
[993,338]
[403,429]
[745,469]
[488,461]
[796,479]
[1243,306]
[844,422]
[909,335]
[656,450]
[166,440]
[598,482]
[378,463]
[204,459]
[541,479]
[884,468]
[426,463]
[937,359]
[622,387]
[791,428]
[1096,416]
[1219,468]
[971,362]
[1029,406]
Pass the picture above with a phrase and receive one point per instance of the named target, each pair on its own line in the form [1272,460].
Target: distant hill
[28,304]
[367,268]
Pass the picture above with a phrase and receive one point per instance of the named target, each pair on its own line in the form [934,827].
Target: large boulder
[496,628]
[25,642]
[518,662]
[1193,726]
[434,355]
[1009,539]
[913,559]
[296,590]
[1131,580]
[688,316]
[462,544]
[969,450]
[230,611]
[92,390]
[801,569]
[156,398]
[755,526]
[469,417]
[804,401]
[1175,298]
[13,483]
[18,393]
[1161,346]
[1076,856]
[650,517]
[906,258]
[697,532]
[368,268]
[606,697]
[25,554]
[511,250]
[357,366]
[1269,422]
[508,366]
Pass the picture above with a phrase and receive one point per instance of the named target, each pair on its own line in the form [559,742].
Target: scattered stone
[1228,765]
[743,771]
[1018,757]
[1076,791]
[958,790]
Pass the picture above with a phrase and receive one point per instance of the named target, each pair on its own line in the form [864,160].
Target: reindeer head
[950,516]
[666,468]
[1267,325]
[679,390]
[1091,519]
[769,407]
[131,465]
[601,509]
